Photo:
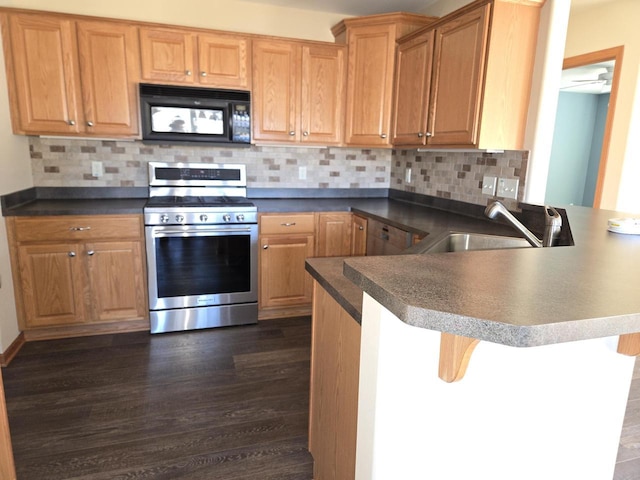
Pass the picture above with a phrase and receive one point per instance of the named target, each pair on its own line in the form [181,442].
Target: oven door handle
[182,233]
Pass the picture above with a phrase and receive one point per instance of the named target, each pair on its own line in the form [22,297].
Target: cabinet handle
[79,229]
[188,73]
[264,247]
[89,124]
[288,224]
[203,74]
[428,134]
[383,135]
[91,252]
[420,134]
[72,254]
[72,122]
[305,133]
[292,133]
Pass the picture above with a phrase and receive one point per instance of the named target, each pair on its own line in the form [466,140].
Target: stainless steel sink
[462,242]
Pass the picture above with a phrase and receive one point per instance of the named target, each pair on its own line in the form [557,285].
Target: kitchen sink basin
[462,242]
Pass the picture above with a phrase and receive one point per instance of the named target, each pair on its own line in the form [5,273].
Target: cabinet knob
[91,252]
[428,134]
[383,135]
[89,124]
[292,133]
[72,122]
[360,227]
[264,247]
[188,73]
[420,134]
[305,133]
[203,74]
[72,254]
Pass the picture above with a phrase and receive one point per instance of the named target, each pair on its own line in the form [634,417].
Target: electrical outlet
[302,173]
[489,185]
[96,169]
[407,175]
[507,188]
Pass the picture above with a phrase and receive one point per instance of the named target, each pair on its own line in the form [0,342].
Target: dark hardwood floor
[227,403]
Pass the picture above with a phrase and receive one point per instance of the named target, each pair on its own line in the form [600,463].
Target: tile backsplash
[58,162]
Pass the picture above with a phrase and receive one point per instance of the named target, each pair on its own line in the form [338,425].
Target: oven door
[203,265]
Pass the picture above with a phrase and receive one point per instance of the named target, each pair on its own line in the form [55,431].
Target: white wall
[596,28]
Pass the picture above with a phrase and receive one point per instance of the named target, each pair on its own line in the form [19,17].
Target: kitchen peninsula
[545,391]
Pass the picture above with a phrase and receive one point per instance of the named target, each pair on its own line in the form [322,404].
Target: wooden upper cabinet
[276,81]
[194,58]
[370,73]
[45,75]
[477,94]
[108,73]
[71,77]
[298,92]
[323,94]
[456,90]
[414,60]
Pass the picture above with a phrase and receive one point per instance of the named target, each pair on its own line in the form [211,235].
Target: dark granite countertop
[517,297]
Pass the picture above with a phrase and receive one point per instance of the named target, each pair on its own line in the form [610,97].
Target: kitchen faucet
[552,224]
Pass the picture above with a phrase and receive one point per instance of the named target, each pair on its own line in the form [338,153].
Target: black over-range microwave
[185,114]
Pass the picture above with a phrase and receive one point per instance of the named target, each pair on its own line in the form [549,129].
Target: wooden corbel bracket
[629,344]
[455,353]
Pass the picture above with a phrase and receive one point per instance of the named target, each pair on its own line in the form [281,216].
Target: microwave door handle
[182,233]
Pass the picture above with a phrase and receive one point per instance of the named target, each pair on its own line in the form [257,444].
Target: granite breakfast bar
[545,390]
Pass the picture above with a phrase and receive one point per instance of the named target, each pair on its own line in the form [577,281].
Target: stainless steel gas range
[202,247]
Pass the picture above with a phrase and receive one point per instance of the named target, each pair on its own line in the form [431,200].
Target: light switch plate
[407,175]
[302,173]
[489,185]
[507,188]
[96,169]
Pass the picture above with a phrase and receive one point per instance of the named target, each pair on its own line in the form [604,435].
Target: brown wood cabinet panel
[323,94]
[224,61]
[77,227]
[286,223]
[456,90]
[358,236]
[333,407]
[7,465]
[116,278]
[47,86]
[412,86]
[283,278]
[167,55]
[369,84]
[52,284]
[275,91]
[333,234]
[108,65]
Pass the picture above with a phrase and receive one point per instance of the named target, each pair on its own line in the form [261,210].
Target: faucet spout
[553,224]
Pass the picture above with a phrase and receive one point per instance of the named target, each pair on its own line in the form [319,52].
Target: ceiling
[370,7]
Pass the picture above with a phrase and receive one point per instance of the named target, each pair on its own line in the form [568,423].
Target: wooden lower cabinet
[333,407]
[359,236]
[333,234]
[78,274]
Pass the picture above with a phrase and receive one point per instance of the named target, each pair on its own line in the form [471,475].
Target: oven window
[203,265]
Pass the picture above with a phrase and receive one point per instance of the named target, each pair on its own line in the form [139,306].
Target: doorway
[586,108]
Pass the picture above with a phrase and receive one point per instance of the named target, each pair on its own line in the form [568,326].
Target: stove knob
[226,217]
[203,218]
[179,218]
[240,217]
[164,218]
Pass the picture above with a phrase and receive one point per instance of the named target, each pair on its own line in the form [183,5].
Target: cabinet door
[223,61]
[47,86]
[275,91]
[333,235]
[53,284]
[283,278]
[167,55]
[412,83]
[370,83]
[108,66]
[116,276]
[323,89]
[456,91]
[358,236]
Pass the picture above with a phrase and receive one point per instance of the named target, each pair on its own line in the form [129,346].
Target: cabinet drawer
[286,223]
[77,227]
